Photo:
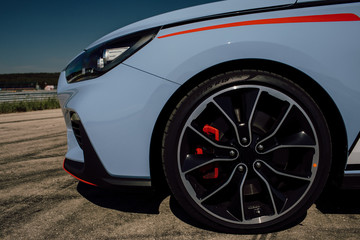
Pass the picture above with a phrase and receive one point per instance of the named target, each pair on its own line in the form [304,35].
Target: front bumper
[92,171]
[118,112]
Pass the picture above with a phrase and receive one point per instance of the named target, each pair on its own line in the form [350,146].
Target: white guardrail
[26,95]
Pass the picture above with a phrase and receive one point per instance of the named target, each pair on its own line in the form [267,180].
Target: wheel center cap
[247,155]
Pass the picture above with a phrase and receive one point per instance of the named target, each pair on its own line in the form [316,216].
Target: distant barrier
[26,96]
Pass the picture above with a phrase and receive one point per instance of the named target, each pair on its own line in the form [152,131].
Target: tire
[246,152]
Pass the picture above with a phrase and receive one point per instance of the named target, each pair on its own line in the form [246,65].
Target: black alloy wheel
[246,151]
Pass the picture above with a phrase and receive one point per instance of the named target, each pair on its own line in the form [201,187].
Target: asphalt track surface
[38,200]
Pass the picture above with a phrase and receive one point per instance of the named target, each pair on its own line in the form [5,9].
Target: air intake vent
[76,125]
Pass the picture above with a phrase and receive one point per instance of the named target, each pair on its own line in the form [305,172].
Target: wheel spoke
[284,174]
[231,119]
[193,162]
[280,199]
[236,203]
[238,107]
[279,124]
[297,140]
[248,125]
[214,144]
[269,188]
[288,133]
[213,192]
[241,193]
[283,187]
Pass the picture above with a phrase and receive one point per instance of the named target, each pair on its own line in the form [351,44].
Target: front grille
[76,125]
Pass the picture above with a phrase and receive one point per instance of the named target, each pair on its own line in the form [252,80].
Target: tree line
[28,80]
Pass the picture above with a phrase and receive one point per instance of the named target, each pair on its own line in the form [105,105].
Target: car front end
[246,107]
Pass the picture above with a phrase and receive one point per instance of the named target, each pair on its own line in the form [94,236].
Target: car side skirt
[351,179]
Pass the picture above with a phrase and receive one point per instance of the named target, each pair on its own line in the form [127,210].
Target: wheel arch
[321,97]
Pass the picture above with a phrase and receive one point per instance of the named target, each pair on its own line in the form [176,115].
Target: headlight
[98,60]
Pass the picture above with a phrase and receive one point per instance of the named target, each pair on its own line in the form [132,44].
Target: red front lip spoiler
[93,184]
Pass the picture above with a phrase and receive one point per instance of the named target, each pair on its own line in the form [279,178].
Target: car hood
[199,11]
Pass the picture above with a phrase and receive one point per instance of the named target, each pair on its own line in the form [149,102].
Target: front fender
[311,47]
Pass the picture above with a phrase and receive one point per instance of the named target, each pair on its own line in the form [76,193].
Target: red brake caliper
[209,130]
[199,151]
[212,175]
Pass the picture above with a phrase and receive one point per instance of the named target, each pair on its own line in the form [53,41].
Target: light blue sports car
[246,109]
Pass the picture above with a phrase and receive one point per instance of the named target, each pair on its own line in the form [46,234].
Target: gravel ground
[38,200]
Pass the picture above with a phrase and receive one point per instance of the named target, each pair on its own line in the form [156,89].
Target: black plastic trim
[228,14]
[352,167]
[260,10]
[92,170]
[351,181]
[323,3]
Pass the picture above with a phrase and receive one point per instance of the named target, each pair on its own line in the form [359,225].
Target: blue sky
[42,36]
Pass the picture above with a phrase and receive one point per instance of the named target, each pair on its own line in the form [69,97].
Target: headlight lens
[98,60]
